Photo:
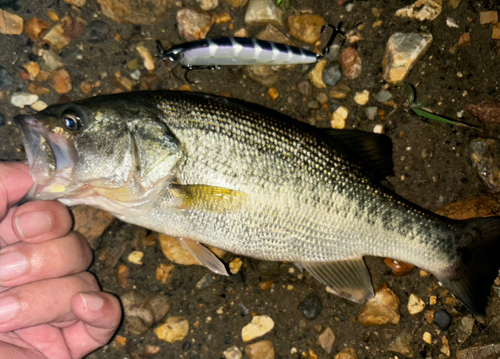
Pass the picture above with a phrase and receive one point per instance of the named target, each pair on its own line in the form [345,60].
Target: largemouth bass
[221,172]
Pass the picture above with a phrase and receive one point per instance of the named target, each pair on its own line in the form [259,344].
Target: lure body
[237,51]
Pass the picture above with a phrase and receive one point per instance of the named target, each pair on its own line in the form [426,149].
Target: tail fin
[471,278]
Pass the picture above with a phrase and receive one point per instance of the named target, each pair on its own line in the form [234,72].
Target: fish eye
[72,121]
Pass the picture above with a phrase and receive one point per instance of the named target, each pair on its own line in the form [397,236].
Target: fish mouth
[51,158]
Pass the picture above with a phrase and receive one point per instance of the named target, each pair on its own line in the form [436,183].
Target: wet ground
[431,163]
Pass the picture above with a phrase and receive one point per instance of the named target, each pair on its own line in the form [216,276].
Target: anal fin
[347,278]
[204,255]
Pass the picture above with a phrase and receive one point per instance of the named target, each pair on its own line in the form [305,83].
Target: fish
[222,172]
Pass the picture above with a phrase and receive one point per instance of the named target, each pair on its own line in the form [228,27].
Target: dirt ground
[431,163]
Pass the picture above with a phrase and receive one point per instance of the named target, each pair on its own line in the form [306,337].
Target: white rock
[39,106]
[21,99]
[451,23]
[371,112]
[326,340]
[261,12]
[232,353]
[422,10]
[378,129]
[339,117]
[260,325]
[361,98]
[208,4]
[136,257]
[415,304]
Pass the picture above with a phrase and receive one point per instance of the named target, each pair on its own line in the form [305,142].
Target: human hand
[50,307]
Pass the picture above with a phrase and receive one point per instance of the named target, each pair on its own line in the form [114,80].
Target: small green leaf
[431,116]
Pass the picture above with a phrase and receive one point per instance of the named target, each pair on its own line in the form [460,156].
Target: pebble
[415,304]
[383,96]
[354,36]
[205,281]
[332,74]
[60,81]
[445,348]
[6,80]
[57,38]
[311,306]
[244,310]
[495,35]
[3,121]
[472,207]
[263,349]
[422,10]
[158,304]
[79,3]
[261,12]
[378,129]
[326,340]
[351,63]
[33,69]
[347,353]
[232,353]
[464,40]
[120,340]
[91,222]
[235,265]
[136,257]
[263,75]
[175,329]
[322,98]
[454,3]
[451,23]
[488,17]
[380,310]
[442,319]
[304,87]
[362,98]
[51,61]
[398,268]
[479,352]
[241,33]
[194,24]
[122,276]
[39,105]
[147,58]
[34,27]
[174,251]
[266,285]
[340,91]
[137,318]
[260,325]
[305,27]
[486,111]
[21,99]
[338,118]
[486,160]
[207,5]
[273,94]
[313,105]
[316,75]
[237,3]
[464,328]
[10,24]
[429,316]
[163,272]
[149,81]
[402,345]
[268,267]
[97,31]
[427,337]
[139,12]
[402,51]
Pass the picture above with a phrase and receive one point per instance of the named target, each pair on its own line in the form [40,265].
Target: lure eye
[72,121]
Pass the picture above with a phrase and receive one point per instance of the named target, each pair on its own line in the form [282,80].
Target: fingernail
[32,224]
[8,308]
[12,265]
[92,302]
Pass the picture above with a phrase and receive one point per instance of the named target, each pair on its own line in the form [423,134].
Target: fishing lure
[214,53]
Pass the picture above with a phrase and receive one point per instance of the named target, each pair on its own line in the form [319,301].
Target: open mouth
[51,158]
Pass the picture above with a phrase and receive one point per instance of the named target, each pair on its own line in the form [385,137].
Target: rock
[205,281]
[268,267]
[454,3]
[6,80]
[56,38]
[273,94]
[464,328]
[382,309]
[163,272]
[97,31]
[485,159]
[261,12]
[260,350]
[137,318]
[51,61]
[136,257]
[362,98]
[451,23]
[266,285]
[422,10]
[305,88]
[332,74]
[311,306]
[139,12]
[10,24]
[378,129]
[351,63]
[34,27]
[91,222]
[305,27]
[398,268]
[232,353]
[326,340]
[39,105]
[322,98]
[3,121]
[264,75]
[415,304]
[486,111]
[401,54]
[490,351]
[383,96]
[429,316]
[158,304]
[241,33]
[442,319]
[340,91]
[235,265]
[208,4]
[21,99]
[316,75]
[194,24]
[175,329]
[260,325]
[354,36]
[149,63]
[313,105]
[402,345]
[338,118]
[79,3]
[347,353]
[223,18]
[122,276]
[33,69]
[445,348]
[427,337]
[371,113]
[60,81]
[495,35]
[237,3]
[174,251]
[472,207]
[488,17]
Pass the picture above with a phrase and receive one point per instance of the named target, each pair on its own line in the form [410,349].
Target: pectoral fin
[204,255]
[210,198]
[348,278]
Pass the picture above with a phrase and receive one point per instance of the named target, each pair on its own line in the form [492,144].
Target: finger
[35,222]
[15,182]
[47,341]
[22,262]
[100,315]
[47,301]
